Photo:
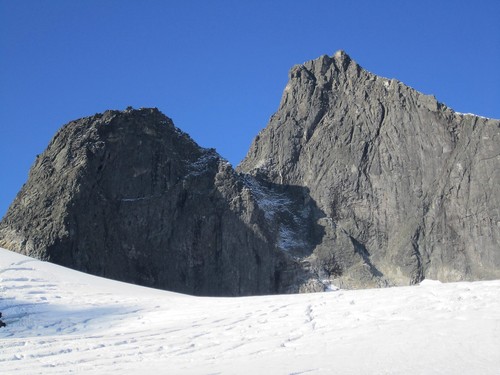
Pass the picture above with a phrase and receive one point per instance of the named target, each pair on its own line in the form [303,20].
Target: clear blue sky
[218,68]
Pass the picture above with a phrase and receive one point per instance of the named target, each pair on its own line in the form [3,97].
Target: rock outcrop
[128,196]
[407,188]
[357,181]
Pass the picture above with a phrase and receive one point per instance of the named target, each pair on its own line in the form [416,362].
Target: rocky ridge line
[357,181]
[407,188]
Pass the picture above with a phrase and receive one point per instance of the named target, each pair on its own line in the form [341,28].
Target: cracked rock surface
[407,188]
[128,196]
[357,181]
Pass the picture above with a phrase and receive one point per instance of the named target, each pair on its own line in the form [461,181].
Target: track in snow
[61,321]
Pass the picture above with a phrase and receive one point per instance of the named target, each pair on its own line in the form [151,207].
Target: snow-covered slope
[60,321]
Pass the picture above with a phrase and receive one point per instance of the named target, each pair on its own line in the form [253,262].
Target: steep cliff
[127,195]
[357,181]
[407,188]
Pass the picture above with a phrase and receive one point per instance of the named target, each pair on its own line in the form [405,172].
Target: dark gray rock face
[357,181]
[407,188]
[128,196]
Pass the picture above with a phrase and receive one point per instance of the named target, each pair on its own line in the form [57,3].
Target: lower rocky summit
[357,181]
[128,196]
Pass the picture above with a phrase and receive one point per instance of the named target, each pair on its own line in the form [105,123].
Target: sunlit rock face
[357,181]
[406,187]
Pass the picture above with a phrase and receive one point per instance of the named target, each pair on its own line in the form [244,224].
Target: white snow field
[61,321]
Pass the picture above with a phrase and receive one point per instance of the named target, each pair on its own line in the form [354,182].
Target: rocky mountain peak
[357,181]
[325,68]
[377,158]
[127,195]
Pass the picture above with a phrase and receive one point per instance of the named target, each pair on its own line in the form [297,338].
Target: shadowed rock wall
[128,196]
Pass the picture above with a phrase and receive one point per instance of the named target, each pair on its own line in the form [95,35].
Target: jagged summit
[357,181]
[324,67]
[402,181]
[341,54]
